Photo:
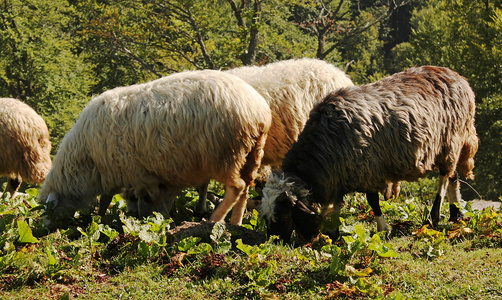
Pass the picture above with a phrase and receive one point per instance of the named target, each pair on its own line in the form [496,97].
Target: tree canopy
[55,55]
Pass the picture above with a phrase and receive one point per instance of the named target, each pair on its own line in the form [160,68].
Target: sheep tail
[466,159]
[253,161]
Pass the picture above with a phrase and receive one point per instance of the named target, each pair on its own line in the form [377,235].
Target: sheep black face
[282,223]
[291,214]
[285,206]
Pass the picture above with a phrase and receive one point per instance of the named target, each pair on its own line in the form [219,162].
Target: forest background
[56,54]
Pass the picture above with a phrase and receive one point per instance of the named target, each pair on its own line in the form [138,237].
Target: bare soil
[482,204]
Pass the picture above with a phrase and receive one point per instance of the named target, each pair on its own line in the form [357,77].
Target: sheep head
[54,214]
[285,208]
[58,211]
[50,203]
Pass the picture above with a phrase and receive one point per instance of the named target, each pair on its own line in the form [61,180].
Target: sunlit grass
[122,257]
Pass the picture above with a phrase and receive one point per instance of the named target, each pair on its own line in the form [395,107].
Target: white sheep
[291,88]
[177,131]
[358,139]
[25,143]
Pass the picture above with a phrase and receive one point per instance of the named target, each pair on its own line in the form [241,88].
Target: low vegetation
[119,256]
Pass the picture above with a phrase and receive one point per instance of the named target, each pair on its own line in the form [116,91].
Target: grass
[121,257]
[460,273]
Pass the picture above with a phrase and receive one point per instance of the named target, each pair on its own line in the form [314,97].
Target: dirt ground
[482,204]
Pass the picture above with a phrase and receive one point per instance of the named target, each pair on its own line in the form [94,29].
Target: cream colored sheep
[291,88]
[177,131]
[25,143]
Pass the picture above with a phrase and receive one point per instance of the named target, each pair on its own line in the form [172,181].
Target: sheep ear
[52,200]
[284,199]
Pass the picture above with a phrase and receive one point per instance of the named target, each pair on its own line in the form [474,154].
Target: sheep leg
[374,202]
[104,203]
[232,195]
[201,208]
[333,212]
[239,208]
[436,207]
[163,199]
[12,187]
[141,204]
[453,198]
[392,190]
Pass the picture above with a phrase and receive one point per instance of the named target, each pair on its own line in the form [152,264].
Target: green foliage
[39,64]
[465,36]
[489,157]
[187,243]
[256,223]
[361,250]
[434,242]
[358,243]
[151,233]
[118,246]
[25,234]
[221,238]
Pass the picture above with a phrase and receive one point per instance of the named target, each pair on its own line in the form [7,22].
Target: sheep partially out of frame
[358,139]
[291,88]
[177,131]
[25,143]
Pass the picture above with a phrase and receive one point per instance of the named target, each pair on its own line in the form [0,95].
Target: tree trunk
[253,34]
[321,42]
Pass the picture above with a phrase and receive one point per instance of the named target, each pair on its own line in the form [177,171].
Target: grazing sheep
[159,137]
[291,88]
[25,143]
[358,139]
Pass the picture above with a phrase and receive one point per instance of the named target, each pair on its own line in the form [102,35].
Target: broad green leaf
[219,233]
[244,248]
[202,248]
[50,256]
[25,234]
[144,249]
[187,243]
[223,247]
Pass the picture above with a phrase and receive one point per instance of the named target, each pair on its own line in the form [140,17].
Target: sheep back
[25,142]
[291,88]
[398,128]
[180,130]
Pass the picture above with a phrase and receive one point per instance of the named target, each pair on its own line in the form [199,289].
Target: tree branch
[358,30]
[124,49]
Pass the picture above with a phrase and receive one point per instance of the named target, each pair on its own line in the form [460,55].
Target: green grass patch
[122,257]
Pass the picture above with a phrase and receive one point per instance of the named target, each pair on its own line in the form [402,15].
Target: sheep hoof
[333,234]
[432,223]
[455,213]
[383,226]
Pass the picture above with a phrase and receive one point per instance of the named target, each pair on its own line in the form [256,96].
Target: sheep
[358,139]
[291,88]
[176,131]
[25,143]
